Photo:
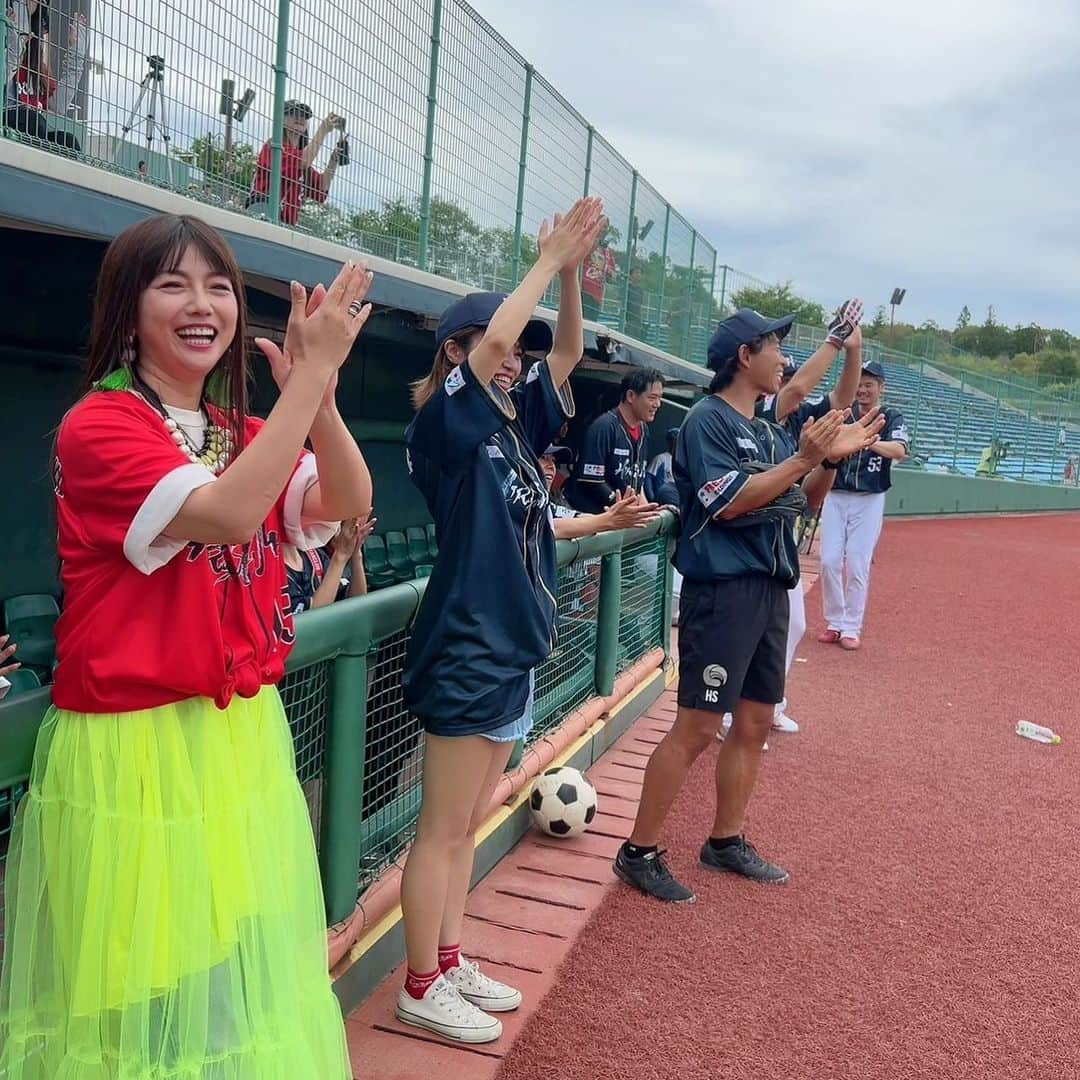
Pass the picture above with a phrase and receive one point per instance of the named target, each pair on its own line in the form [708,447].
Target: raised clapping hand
[574,234]
[351,536]
[630,511]
[844,321]
[851,438]
[322,328]
[818,435]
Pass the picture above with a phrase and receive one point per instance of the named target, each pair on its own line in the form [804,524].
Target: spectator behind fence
[599,268]
[30,94]
[317,577]
[615,450]
[300,180]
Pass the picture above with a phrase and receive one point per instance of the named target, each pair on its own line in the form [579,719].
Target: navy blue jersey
[488,613]
[812,407]
[866,472]
[716,443]
[611,460]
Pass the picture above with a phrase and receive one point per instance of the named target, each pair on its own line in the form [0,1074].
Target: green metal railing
[457,148]
[969,423]
[358,749]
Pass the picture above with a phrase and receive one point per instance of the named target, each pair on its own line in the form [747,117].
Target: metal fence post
[343,791]
[607,622]
[723,287]
[663,267]
[429,134]
[281,62]
[918,401]
[956,434]
[712,286]
[522,160]
[588,159]
[690,294]
[1027,432]
[631,248]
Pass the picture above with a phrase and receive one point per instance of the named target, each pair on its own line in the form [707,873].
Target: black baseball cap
[740,329]
[562,455]
[478,309]
[297,108]
[874,369]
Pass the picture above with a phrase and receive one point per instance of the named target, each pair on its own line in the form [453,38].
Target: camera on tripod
[157,66]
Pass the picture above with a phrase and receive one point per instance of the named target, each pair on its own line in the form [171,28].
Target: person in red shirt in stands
[163,913]
[300,180]
[598,269]
[30,96]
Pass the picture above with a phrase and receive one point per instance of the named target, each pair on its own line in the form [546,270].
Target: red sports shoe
[850,642]
[829,637]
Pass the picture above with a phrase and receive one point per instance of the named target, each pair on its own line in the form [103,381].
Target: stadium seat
[378,569]
[424,570]
[397,554]
[22,680]
[31,622]
[432,543]
[418,546]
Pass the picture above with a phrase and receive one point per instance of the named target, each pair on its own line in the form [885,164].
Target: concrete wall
[921,493]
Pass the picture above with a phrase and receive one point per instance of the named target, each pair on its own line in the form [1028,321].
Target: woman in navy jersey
[488,614]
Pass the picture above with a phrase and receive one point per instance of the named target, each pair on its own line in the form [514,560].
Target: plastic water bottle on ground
[1037,733]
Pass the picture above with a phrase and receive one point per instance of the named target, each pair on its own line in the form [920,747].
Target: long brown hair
[423,390]
[35,62]
[155,246]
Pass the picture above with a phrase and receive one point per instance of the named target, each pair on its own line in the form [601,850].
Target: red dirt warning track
[931,929]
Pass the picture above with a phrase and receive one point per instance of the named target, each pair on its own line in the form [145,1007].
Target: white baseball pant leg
[850,527]
[796,629]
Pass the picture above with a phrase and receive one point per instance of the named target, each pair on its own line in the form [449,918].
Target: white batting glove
[846,317]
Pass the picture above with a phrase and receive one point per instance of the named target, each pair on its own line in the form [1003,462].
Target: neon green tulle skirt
[163,911]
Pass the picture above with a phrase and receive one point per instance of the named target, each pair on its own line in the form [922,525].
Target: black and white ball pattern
[563,802]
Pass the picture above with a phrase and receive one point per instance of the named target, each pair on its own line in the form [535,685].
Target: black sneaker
[742,858]
[651,876]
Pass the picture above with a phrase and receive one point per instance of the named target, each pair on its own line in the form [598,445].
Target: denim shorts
[519,728]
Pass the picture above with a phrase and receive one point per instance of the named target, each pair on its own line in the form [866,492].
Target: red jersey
[139,631]
[26,92]
[297,183]
[598,267]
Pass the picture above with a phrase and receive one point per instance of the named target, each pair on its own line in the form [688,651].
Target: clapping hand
[574,234]
[351,536]
[630,511]
[6,652]
[844,321]
[852,438]
[818,435]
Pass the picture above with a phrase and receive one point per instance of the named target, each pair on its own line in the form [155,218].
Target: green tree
[775,301]
[877,326]
[963,321]
[207,153]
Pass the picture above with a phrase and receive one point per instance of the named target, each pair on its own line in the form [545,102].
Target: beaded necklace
[216,449]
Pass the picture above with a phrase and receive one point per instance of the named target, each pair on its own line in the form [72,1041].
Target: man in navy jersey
[614,454]
[852,516]
[738,557]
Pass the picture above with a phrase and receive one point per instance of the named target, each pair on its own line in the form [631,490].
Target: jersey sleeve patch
[711,490]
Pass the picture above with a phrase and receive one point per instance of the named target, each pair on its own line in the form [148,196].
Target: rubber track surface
[932,926]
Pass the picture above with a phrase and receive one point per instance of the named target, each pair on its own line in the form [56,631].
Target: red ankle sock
[417,984]
[449,957]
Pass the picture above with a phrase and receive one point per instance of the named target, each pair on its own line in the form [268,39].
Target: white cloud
[844,144]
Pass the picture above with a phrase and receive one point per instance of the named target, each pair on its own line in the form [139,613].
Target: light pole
[897,299]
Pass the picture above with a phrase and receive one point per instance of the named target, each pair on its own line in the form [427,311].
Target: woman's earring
[128,356]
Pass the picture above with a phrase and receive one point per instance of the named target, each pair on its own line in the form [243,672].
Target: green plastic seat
[31,621]
[397,554]
[377,567]
[432,543]
[418,545]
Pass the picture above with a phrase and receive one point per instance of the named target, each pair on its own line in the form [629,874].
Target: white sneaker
[443,1010]
[725,727]
[483,991]
[783,722]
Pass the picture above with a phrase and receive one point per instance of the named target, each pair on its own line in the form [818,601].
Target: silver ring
[355,308]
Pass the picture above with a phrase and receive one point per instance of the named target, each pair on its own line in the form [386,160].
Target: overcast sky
[852,147]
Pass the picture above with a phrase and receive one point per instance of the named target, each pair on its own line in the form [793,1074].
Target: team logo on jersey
[711,490]
[454,381]
[592,470]
[494,451]
[900,434]
[714,675]
[621,451]
[747,444]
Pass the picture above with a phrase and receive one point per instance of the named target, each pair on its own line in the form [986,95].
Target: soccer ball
[563,802]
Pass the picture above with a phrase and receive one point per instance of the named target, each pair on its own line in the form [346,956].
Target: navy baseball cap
[740,329]
[672,433]
[875,369]
[563,455]
[478,309]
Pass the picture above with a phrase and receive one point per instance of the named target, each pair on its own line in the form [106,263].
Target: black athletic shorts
[732,642]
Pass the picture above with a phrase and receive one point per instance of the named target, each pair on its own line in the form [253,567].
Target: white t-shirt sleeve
[301,532]
[144,545]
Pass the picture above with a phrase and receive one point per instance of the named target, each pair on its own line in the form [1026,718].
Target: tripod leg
[150,113]
[166,137]
[130,122]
